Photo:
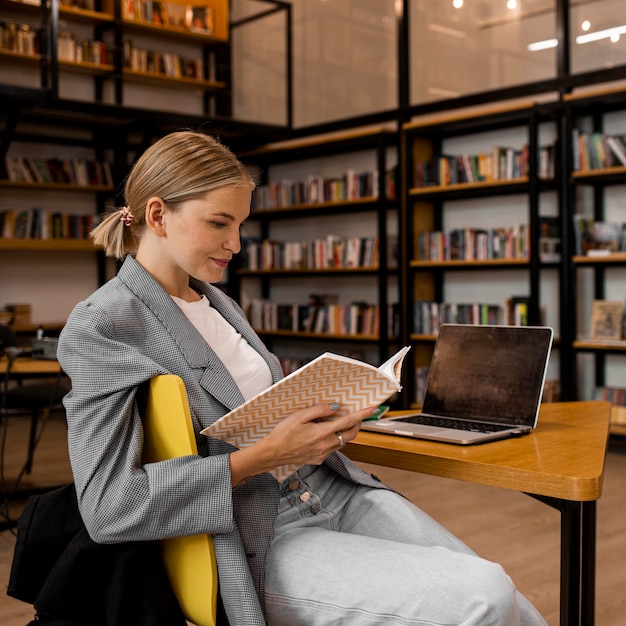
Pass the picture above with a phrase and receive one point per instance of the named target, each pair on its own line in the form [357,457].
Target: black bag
[73,581]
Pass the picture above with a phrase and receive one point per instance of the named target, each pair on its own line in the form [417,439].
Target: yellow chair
[189,561]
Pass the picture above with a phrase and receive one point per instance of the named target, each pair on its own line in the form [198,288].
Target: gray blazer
[128,331]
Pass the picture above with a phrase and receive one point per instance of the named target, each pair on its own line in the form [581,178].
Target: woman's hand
[306,436]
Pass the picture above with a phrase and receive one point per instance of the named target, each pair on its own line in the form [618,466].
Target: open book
[328,378]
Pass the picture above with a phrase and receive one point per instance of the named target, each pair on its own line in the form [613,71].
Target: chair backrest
[189,561]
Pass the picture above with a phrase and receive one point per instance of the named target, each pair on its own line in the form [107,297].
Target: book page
[328,378]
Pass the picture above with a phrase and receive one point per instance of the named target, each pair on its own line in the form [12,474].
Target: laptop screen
[491,373]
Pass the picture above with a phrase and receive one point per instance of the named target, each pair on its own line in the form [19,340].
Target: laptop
[485,383]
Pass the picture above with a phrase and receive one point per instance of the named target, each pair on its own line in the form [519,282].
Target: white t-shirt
[245,364]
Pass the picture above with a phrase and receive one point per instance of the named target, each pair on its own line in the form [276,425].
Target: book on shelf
[41,224]
[549,239]
[551,391]
[606,320]
[328,378]
[500,164]
[199,19]
[475,244]
[617,397]
[598,238]
[516,310]
[73,171]
[325,317]
[429,315]
[351,185]
[330,252]
[21,39]
[596,150]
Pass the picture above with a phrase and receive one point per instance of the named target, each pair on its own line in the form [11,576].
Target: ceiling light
[601,34]
[586,25]
[543,45]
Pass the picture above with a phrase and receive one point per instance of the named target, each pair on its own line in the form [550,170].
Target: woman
[331,544]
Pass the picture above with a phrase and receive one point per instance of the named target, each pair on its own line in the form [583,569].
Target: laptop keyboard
[442,422]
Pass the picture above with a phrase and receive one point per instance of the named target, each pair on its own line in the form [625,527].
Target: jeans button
[305,497]
[293,485]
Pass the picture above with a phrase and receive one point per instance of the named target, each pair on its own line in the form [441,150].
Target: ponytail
[115,234]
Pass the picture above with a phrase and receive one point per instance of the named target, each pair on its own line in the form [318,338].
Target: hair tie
[126,216]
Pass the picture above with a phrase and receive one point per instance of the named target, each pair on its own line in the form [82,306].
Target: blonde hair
[183,165]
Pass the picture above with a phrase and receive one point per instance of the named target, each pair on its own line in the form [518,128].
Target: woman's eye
[218,224]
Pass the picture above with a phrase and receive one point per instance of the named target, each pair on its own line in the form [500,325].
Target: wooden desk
[561,464]
[27,366]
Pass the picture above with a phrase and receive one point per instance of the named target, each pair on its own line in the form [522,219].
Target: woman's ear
[155,216]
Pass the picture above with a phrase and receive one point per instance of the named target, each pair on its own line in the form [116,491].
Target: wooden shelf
[595,344]
[23,7]
[84,15]
[311,271]
[464,116]
[172,31]
[483,186]
[49,327]
[156,78]
[305,335]
[422,337]
[21,58]
[600,172]
[594,93]
[614,257]
[316,142]
[86,68]
[492,263]
[55,186]
[48,245]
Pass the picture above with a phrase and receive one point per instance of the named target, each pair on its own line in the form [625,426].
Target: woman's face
[202,235]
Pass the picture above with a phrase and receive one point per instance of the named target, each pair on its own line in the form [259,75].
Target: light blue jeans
[353,556]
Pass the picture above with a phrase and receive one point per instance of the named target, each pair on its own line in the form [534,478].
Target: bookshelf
[101,50]
[44,225]
[304,198]
[476,187]
[595,190]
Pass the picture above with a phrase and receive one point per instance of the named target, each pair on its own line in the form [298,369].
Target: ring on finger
[340,437]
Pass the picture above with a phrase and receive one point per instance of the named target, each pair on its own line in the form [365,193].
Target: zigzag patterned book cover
[328,378]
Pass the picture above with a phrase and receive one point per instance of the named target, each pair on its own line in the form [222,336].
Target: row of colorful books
[329,252]
[156,62]
[502,163]
[357,318]
[38,223]
[597,150]
[19,38]
[83,172]
[471,244]
[69,48]
[351,185]
[428,315]
[191,17]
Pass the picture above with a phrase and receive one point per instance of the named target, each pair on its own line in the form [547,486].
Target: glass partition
[598,30]
[461,47]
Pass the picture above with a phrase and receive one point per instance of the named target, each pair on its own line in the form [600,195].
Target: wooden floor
[504,526]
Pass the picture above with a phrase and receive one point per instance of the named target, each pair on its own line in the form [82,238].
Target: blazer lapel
[216,379]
